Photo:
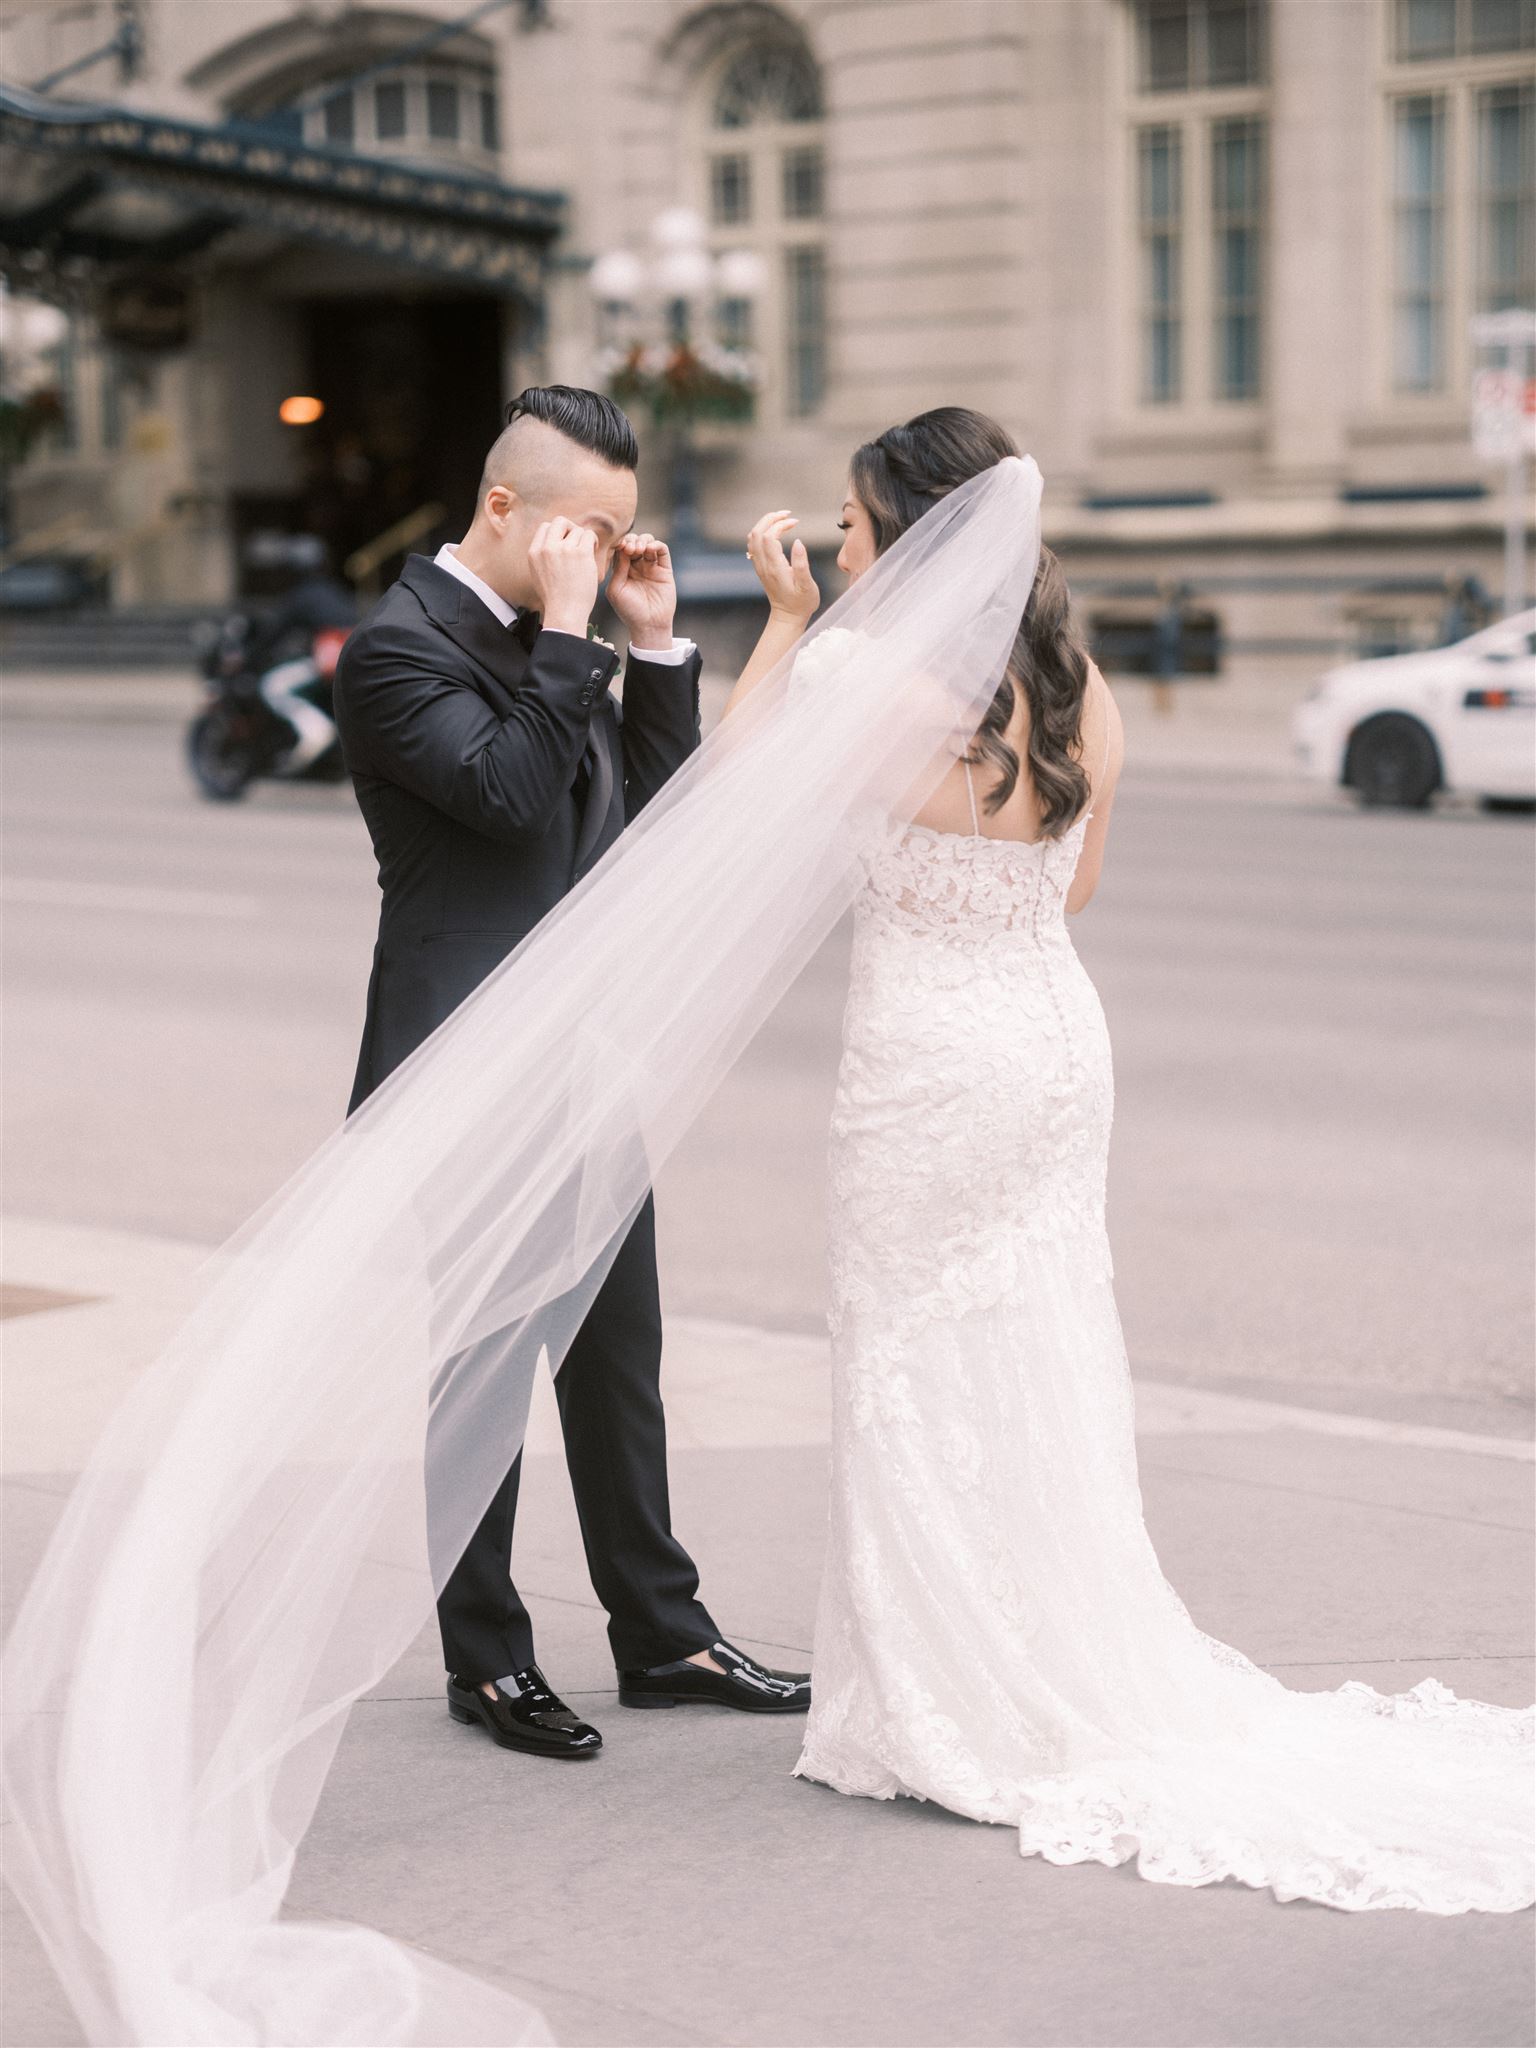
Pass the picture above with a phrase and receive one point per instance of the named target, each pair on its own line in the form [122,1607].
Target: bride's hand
[791,587]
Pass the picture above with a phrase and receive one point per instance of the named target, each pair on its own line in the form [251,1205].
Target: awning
[104,185]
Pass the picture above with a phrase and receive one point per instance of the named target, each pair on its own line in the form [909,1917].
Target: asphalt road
[1322,1173]
[1321,1193]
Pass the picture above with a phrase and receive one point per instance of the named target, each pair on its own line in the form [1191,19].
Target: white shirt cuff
[673,656]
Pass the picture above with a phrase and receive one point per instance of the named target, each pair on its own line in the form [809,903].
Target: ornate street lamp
[664,323]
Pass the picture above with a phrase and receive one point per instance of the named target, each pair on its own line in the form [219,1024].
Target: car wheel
[1393,761]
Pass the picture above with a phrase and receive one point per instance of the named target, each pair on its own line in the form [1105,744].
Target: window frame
[743,165]
[1198,47]
[1463,45]
[768,229]
[1435,293]
[1195,111]
[470,84]
[1168,227]
[1460,81]
[1519,195]
[1226,218]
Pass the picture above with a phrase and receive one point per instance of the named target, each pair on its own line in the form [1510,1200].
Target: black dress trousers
[609,1393]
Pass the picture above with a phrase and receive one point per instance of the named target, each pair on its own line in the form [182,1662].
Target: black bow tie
[525,629]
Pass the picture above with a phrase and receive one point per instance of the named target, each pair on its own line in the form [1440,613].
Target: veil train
[250,1547]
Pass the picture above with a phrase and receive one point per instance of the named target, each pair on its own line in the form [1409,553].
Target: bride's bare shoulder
[1102,744]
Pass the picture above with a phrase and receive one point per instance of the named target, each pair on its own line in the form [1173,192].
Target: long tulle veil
[251,1546]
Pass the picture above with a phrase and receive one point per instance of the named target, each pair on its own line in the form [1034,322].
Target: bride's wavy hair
[896,478]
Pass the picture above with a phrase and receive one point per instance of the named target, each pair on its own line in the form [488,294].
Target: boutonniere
[598,641]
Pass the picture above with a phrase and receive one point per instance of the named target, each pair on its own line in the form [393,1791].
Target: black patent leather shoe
[742,1683]
[524,1714]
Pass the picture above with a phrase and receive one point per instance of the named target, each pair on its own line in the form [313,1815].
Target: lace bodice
[974,1099]
[968,890]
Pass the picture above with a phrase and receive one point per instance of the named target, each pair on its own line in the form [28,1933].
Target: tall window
[1160,204]
[730,194]
[806,327]
[1190,45]
[763,189]
[1461,118]
[1428,29]
[1419,171]
[1237,171]
[1506,197]
[1198,132]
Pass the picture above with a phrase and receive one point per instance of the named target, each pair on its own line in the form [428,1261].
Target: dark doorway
[412,396]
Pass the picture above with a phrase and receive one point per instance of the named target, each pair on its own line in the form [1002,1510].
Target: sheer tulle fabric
[995,1633]
[250,1548]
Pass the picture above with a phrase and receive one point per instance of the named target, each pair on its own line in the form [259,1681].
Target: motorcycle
[274,723]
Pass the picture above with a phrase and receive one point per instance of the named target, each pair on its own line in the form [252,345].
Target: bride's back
[1020,815]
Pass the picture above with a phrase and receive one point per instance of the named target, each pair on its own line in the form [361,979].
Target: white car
[1457,718]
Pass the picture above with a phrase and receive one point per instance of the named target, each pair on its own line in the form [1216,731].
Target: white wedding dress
[994,1631]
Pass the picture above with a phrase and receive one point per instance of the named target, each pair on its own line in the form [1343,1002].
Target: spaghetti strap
[970,790]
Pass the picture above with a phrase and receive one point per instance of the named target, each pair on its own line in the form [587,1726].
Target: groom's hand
[642,591]
[562,560]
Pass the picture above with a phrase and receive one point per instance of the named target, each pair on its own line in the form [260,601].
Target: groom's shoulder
[400,609]
[397,624]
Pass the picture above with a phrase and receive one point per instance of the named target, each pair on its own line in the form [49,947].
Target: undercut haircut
[588,418]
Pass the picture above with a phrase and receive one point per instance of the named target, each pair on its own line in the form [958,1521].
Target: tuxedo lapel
[499,653]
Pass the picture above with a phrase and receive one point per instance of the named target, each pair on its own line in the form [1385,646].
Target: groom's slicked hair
[588,418]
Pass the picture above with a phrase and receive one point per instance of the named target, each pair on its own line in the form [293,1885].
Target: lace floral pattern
[995,1633]
[973,1042]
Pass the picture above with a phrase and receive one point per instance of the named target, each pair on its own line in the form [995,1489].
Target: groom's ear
[499,504]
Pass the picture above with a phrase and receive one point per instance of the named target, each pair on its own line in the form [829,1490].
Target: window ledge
[1439,420]
[1242,432]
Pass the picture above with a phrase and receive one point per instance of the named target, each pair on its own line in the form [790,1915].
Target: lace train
[995,1633]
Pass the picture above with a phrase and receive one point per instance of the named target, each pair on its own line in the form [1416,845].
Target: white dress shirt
[447,558]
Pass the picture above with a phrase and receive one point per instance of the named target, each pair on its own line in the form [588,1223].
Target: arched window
[414,111]
[762,189]
[382,81]
[424,111]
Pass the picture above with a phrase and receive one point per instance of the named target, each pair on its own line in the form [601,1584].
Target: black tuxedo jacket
[493,768]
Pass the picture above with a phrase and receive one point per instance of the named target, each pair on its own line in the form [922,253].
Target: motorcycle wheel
[221,761]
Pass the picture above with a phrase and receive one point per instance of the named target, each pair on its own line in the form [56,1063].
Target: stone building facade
[1214,262]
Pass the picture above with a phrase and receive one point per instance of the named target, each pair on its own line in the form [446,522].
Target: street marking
[43,895]
[1163,1409]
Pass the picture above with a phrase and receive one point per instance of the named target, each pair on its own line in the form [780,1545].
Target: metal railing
[362,566]
[45,540]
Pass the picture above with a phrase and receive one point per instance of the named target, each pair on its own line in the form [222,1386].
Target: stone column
[1321,181]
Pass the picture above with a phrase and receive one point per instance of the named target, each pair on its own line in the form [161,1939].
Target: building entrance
[411,392]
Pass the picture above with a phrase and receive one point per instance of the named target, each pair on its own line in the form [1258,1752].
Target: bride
[994,1632]
[248,1551]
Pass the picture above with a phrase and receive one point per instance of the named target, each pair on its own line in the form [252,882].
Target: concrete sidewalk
[1209,728]
[685,1889]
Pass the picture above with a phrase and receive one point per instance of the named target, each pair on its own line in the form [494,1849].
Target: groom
[493,769]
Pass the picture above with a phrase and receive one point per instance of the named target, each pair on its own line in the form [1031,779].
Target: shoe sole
[694,1699]
[471,1719]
